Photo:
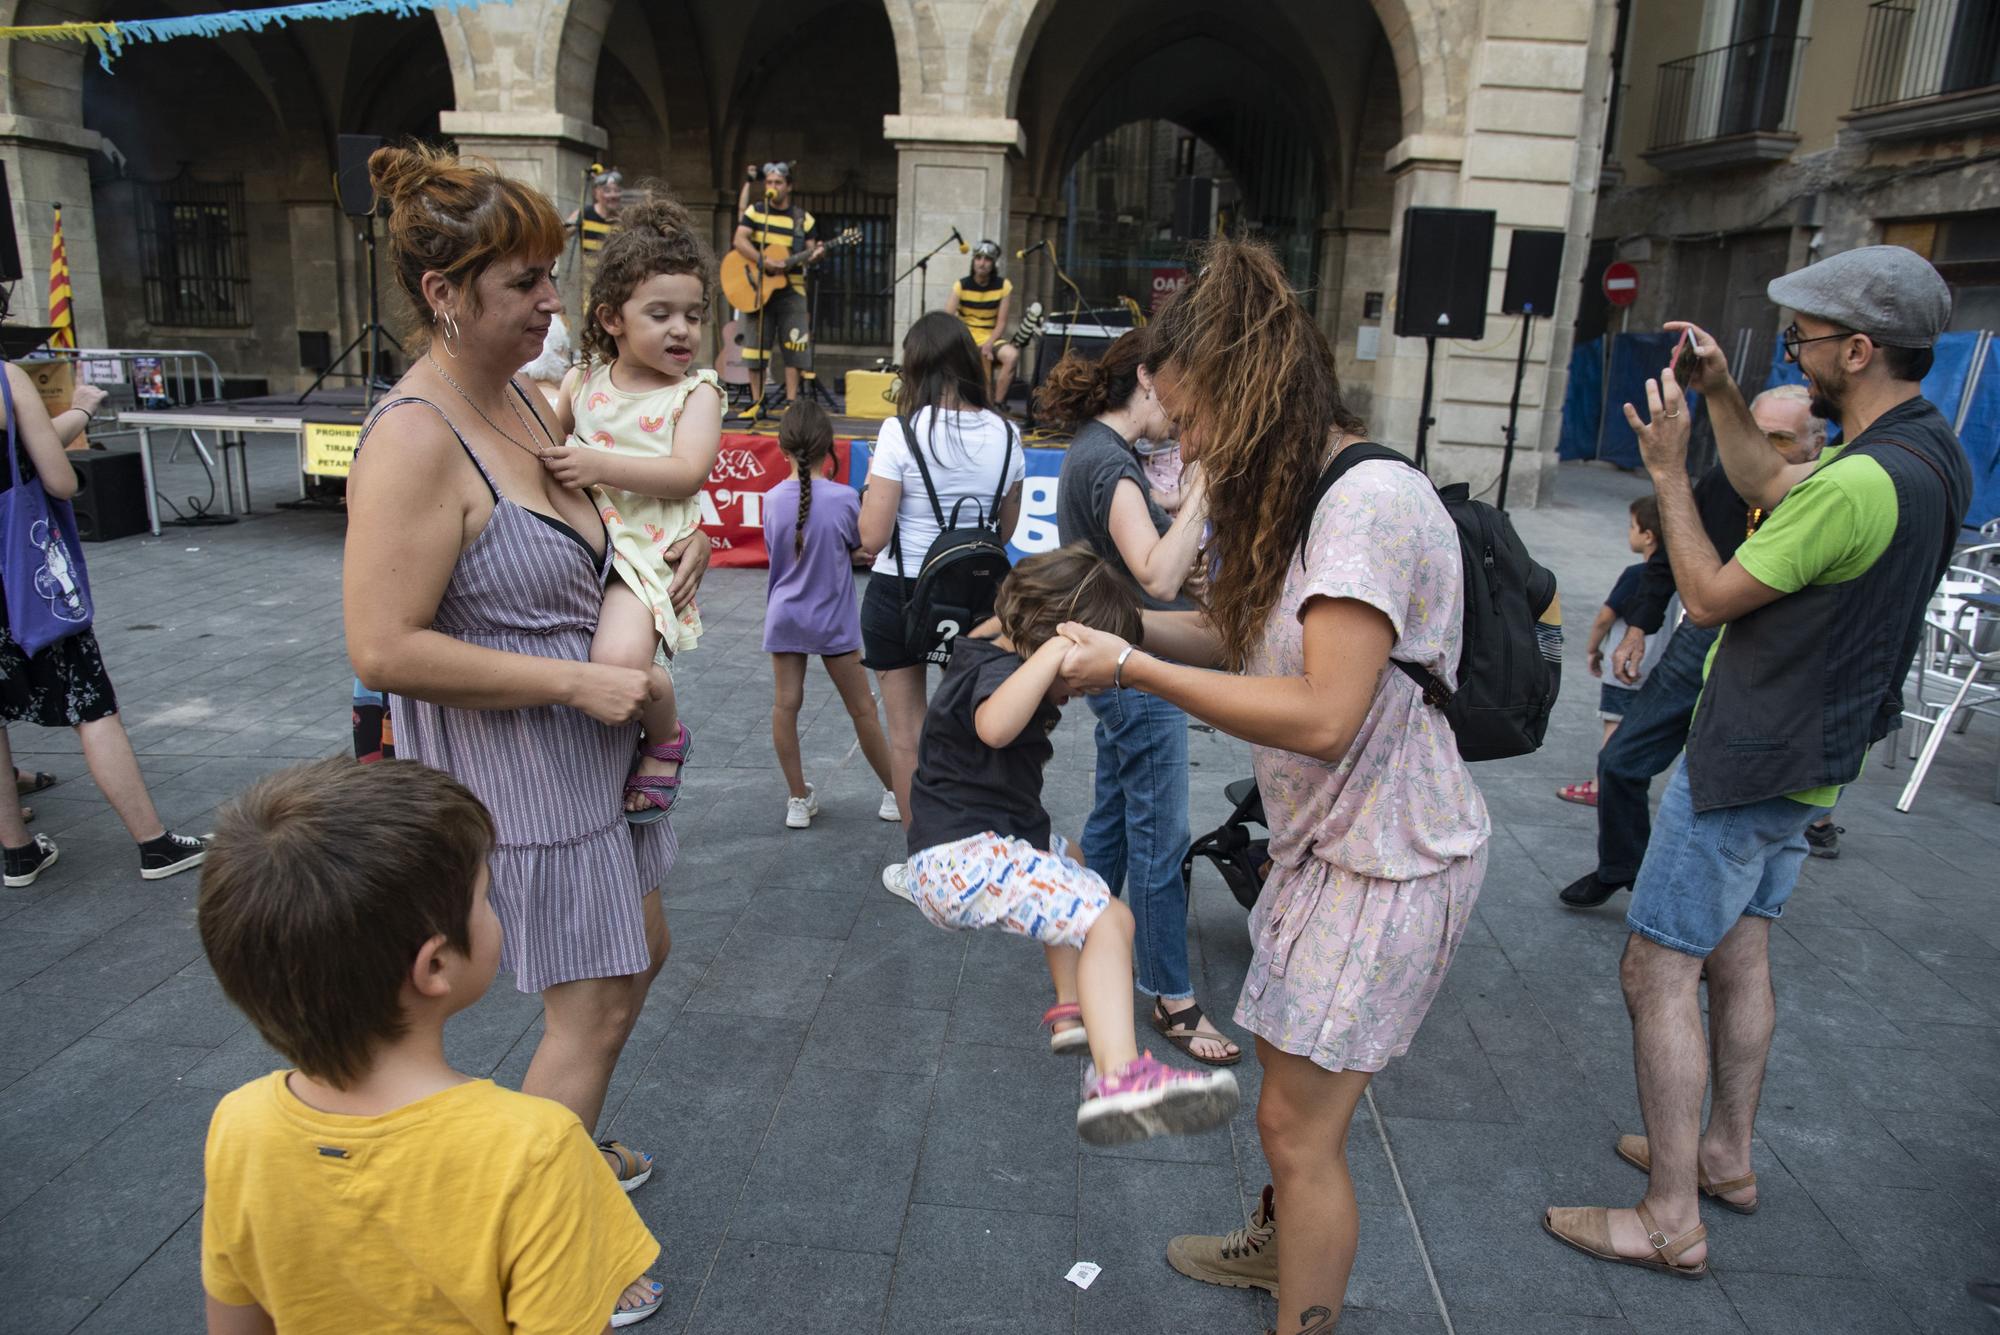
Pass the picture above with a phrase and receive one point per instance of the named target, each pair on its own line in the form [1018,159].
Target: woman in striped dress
[473,582]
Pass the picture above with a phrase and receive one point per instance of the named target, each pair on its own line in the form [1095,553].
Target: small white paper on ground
[1082,1273]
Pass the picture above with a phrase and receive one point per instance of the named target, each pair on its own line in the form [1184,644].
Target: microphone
[962,247]
[1023,254]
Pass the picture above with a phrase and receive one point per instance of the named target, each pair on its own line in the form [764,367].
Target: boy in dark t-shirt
[982,854]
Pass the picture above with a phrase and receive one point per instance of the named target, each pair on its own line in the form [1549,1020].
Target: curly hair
[655,235]
[456,217]
[805,434]
[1071,583]
[1078,388]
[1258,404]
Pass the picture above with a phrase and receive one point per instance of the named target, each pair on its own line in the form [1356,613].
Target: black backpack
[954,588]
[1510,662]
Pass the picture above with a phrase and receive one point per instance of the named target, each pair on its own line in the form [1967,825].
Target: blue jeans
[1707,870]
[1653,732]
[1138,829]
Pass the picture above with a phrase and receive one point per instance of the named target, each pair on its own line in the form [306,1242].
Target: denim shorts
[1704,870]
[1613,701]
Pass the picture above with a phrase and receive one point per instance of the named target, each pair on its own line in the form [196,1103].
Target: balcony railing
[1917,49]
[1744,91]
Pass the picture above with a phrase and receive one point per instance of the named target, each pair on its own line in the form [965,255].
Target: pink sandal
[661,791]
[1583,794]
[1065,1040]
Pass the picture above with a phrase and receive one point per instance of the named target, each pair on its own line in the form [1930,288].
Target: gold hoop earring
[447,332]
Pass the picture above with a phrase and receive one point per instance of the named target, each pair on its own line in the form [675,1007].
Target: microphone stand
[922,268]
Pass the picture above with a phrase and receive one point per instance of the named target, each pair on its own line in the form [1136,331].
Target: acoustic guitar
[747,286]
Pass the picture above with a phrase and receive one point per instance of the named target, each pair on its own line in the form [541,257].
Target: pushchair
[1243,860]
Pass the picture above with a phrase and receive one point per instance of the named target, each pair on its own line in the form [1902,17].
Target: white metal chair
[1953,645]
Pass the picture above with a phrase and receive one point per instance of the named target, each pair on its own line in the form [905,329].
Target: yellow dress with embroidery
[641,426]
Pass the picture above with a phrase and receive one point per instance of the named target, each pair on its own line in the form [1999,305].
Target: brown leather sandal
[1588,1229]
[1182,1029]
[1635,1151]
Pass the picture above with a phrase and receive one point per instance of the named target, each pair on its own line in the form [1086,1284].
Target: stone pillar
[546,149]
[952,171]
[48,163]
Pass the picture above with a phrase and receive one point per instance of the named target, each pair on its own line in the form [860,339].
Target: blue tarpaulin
[1583,401]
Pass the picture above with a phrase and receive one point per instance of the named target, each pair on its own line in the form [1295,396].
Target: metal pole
[1514,405]
[1424,418]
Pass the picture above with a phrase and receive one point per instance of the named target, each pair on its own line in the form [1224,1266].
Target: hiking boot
[1587,892]
[1823,841]
[1244,1259]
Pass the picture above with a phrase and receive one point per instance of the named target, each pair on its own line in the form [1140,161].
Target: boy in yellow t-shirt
[374,1188]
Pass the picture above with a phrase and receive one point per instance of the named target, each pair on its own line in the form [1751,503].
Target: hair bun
[655,211]
[398,172]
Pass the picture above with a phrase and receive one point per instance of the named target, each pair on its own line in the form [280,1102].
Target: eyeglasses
[987,250]
[1782,437]
[1793,341]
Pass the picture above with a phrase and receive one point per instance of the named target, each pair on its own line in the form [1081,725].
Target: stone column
[546,149]
[48,163]
[952,171]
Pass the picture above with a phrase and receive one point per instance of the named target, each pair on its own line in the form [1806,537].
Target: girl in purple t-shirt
[811,530]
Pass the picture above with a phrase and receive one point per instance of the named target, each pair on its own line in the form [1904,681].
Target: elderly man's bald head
[1784,414]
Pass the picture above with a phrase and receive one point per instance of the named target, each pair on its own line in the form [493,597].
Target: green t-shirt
[1832,527]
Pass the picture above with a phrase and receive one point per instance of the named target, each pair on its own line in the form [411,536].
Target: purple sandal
[660,790]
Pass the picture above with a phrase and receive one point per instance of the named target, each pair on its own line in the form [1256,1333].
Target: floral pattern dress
[642,528]
[1378,856]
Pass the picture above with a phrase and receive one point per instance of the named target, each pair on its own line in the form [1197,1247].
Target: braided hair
[805,434]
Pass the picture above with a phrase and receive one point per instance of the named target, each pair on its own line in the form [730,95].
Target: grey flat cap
[1891,294]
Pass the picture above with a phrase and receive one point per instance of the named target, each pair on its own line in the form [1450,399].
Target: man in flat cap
[1820,611]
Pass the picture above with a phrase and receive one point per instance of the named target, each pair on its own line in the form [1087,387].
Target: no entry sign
[1621,283]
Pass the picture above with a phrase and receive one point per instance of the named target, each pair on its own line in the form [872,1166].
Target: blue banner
[1037,530]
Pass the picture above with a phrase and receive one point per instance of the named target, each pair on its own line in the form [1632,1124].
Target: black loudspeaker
[1447,260]
[350,177]
[315,349]
[10,245]
[1534,266]
[110,500]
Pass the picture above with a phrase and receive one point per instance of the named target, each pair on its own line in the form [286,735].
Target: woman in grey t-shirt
[1138,827]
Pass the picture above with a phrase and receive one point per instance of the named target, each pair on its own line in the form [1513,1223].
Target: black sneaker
[1823,841]
[26,863]
[170,855]
[1587,892]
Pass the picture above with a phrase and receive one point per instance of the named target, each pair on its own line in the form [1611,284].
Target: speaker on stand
[1441,288]
[1534,265]
[357,201]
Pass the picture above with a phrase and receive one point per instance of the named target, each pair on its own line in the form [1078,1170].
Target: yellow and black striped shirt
[979,307]
[772,232]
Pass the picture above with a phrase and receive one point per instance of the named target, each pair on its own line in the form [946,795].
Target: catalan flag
[59,293]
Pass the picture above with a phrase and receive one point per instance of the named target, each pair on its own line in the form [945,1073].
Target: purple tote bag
[41,561]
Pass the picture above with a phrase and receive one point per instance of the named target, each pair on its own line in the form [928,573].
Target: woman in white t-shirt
[973,454]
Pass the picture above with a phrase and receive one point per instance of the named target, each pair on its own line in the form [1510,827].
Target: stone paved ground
[857,1123]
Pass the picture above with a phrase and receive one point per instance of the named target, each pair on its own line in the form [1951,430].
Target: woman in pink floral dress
[1378,836]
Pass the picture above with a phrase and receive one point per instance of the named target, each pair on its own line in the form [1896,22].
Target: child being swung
[811,531]
[644,428]
[982,853]
[374,1188]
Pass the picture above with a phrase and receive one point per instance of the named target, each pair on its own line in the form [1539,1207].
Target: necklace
[510,439]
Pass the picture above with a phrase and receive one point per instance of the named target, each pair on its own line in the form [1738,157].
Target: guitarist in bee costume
[984,299]
[769,234]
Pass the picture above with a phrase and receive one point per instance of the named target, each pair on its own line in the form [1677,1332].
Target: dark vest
[1801,687]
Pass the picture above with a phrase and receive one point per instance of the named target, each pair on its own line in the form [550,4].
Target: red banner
[732,502]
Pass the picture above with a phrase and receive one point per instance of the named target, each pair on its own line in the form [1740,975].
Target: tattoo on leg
[1315,1321]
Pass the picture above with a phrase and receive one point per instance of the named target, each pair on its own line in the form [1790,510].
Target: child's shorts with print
[990,880]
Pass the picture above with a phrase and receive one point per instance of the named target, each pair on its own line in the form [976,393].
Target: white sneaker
[896,880]
[889,810]
[799,811]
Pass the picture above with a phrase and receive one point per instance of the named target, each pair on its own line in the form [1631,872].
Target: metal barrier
[160,378]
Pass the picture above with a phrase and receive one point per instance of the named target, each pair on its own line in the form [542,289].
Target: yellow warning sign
[330,448]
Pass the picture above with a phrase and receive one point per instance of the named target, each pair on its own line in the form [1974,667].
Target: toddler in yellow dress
[644,426]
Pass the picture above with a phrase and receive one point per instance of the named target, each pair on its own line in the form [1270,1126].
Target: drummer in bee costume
[984,300]
[770,232]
